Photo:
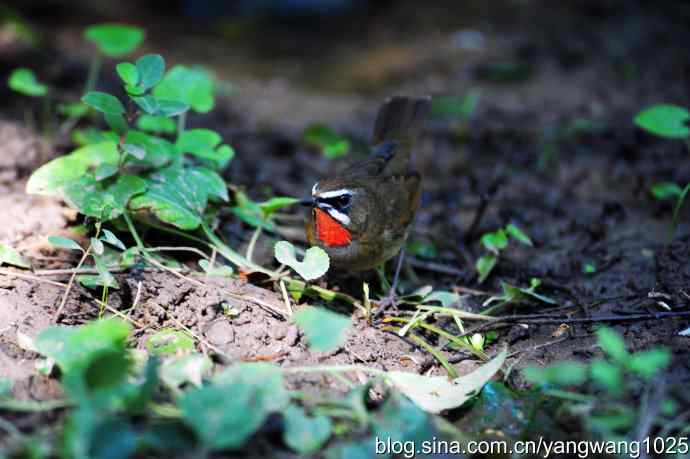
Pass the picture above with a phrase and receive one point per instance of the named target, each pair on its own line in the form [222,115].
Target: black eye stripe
[337,201]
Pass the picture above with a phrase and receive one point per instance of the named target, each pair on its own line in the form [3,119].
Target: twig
[10,273]
[70,284]
[538,319]
[286,298]
[435,267]
[179,249]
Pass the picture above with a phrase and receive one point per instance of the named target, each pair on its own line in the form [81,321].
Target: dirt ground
[554,147]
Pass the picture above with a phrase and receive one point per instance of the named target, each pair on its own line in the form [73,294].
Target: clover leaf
[314,265]
[665,120]
[24,81]
[325,330]
[179,195]
[192,86]
[52,176]
[105,199]
[114,40]
[10,256]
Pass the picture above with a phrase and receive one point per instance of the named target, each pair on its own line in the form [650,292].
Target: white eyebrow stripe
[335,193]
[314,188]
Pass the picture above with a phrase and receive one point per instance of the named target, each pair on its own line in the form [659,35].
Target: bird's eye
[344,200]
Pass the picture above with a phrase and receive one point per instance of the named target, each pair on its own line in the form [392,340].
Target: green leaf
[331,144]
[23,81]
[147,103]
[179,195]
[64,243]
[106,199]
[606,375]
[73,110]
[612,344]
[456,106]
[156,124]
[436,393]
[665,120]
[188,369]
[447,299]
[104,102]
[97,246]
[275,204]
[215,269]
[665,190]
[518,234]
[649,363]
[76,347]
[495,241]
[314,265]
[192,86]
[151,68]
[198,142]
[128,73]
[10,256]
[111,239]
[158,151]
[89,136]
[117,123]
[104,171]
[114,40]
[325,330]
[134,90]
[5,387]
[135,151]
[589,268]
[169,341]
[484,265]
[305,435]
[224,415]
[171,108]
[275,396]
[562,373]
[95,281]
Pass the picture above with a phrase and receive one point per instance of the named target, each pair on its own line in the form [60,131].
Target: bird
[361,217]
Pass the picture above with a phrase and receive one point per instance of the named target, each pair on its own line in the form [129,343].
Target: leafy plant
[122,403]
[314,265]
[607,386]
[111,40]
[496,242]
[668,190]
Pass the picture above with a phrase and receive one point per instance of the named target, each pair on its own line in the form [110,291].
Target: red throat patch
[330,231]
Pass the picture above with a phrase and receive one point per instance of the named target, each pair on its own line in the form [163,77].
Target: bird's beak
[308,202]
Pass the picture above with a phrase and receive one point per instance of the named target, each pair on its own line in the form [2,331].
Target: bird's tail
[399,122]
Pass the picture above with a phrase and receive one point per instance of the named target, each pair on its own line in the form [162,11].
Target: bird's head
[340,211]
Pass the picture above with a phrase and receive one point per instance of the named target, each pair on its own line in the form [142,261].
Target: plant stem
[232,256]
[181,123]
[135,235]
[70,283]
[252,243]
[94,70]
[676,212]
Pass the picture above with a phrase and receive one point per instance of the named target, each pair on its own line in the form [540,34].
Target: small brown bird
[362,216]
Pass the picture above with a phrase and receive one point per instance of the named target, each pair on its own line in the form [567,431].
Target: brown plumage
[362,216]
